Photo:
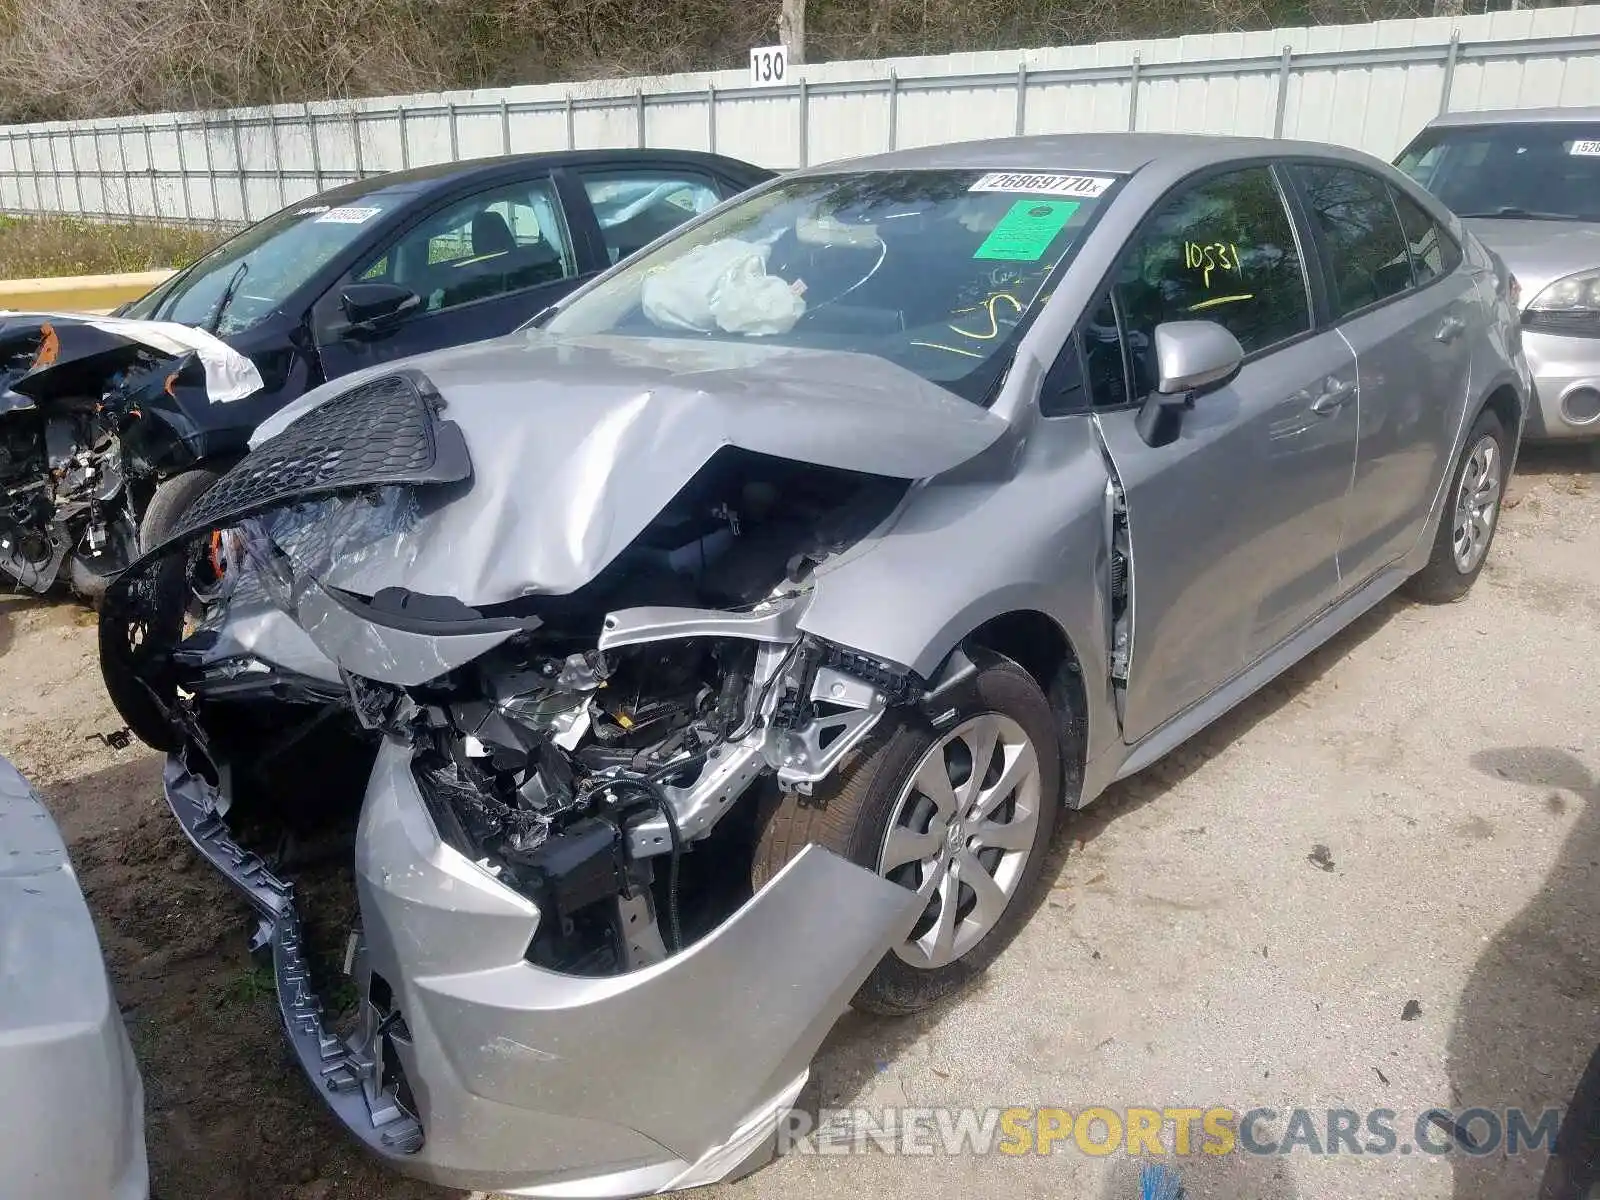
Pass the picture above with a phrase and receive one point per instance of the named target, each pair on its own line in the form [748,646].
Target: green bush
[37,247]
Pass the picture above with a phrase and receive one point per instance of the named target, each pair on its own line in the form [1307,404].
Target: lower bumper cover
[1566,378]
[477,1069]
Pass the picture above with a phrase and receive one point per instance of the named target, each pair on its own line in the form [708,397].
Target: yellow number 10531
[1212,256]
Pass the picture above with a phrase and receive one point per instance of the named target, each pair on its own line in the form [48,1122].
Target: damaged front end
[93,413]
[564,980]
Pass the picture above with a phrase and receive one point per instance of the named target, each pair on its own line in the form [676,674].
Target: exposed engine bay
[611,732]
[91,419]
[61,494]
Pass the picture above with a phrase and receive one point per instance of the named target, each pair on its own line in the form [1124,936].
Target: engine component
[584,865]
[62,492]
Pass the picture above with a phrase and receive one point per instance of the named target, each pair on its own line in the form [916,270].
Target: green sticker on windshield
[1025,233]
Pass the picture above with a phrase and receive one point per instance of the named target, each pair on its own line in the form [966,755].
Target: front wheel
[171,500]
[961,815]
[1471,516]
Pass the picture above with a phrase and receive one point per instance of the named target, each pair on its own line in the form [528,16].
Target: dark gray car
[724,649]
[1528,183]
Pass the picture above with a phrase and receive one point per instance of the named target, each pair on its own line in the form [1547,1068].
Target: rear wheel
[1471,516]
[962,816]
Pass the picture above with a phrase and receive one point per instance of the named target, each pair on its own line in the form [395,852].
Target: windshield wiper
[227,297]
[1522,214]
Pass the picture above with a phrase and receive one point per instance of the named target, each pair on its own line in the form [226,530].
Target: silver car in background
[723,650]
[71,1101]
[1528,183]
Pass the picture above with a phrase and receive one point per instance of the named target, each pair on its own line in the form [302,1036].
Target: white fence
[1370,86]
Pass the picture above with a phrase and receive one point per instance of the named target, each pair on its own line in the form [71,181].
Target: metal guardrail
[1136,75]
[81,293]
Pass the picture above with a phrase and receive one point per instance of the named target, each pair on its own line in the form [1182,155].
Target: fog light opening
[1581,406]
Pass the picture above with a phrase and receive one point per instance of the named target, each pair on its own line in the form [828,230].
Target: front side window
[496,242]
[634,208]
[1545,170]
[1366,249]
[251,274]
[938,271]
[1222,250]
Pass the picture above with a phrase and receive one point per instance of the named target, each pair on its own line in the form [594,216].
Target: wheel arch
[1508,404]
[1038,643]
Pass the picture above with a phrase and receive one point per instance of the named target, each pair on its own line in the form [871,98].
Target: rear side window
[1433,251]
[1368,259]
[637,206]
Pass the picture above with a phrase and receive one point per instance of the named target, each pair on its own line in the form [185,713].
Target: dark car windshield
[261,267]
[1532,170]
[937,271]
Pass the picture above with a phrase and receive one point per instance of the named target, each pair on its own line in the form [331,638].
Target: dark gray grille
[381,432]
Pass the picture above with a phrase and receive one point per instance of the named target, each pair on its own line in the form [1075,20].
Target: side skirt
[1186,724]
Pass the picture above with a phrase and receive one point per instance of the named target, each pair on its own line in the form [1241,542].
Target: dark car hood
[577,444]
[1540,252]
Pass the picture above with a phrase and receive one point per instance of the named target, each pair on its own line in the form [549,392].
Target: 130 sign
[768,64]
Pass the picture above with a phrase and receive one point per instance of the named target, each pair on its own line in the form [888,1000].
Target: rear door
[1401,298]
[1234,527]
[480,265]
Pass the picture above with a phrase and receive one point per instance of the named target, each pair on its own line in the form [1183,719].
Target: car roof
[1119,153]
[1515,116]
[419,181]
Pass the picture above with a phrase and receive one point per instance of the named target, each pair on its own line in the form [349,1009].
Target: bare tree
[792,29]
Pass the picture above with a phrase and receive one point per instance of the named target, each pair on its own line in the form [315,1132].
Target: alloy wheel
[961,833]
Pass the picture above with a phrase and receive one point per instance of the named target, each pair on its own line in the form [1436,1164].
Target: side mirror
[1191,357]
[374,307]
[1194,356]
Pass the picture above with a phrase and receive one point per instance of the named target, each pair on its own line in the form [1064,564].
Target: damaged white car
[723,649]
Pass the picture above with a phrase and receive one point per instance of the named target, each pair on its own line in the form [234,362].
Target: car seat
[491,234]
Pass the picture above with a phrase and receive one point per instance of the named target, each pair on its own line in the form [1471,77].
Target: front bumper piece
[475,1069]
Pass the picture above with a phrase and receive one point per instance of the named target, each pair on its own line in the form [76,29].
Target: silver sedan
[1528,183]
[722,649]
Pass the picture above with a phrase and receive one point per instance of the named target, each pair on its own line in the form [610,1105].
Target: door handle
[1334,393]
[1451,329]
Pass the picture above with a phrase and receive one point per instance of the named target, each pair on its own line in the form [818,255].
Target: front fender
[964,553]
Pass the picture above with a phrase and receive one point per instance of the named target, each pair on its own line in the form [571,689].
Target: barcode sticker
[1042,185]
[348,216]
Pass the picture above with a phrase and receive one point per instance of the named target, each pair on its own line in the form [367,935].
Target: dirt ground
[1196,948]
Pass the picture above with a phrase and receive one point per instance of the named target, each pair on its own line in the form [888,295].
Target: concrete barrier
[79,293]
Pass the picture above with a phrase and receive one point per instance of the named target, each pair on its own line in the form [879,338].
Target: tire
[173,497]
[850,814]
[1450,574]
[141,618]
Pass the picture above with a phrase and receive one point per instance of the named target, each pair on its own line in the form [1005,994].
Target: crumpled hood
[229,375]
[1540,252]
[577,443]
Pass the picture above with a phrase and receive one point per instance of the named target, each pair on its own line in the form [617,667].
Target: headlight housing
[1570,305]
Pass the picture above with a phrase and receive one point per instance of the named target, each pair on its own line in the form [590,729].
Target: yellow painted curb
[79,293]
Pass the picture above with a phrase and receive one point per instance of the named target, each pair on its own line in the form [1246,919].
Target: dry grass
[36,247]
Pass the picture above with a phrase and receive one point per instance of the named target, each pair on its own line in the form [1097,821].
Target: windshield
[937,271]
[252,273]
[1548,171]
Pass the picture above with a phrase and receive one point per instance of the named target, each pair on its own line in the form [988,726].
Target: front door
[1234,526]
[480,266]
